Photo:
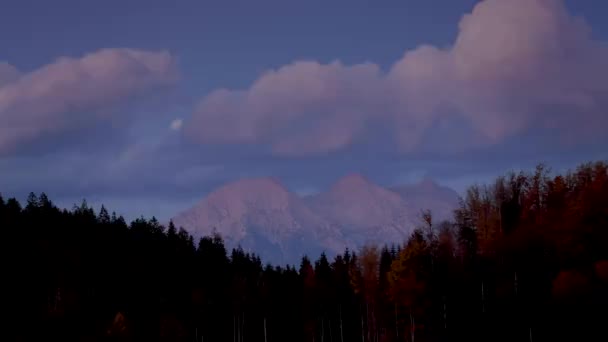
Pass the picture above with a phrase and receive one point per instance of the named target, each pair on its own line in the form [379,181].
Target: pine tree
[44,202]
[103,217]
[32,202]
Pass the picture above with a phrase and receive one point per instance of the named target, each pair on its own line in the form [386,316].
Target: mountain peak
[350,181]
[262,214]
[268,192]
[428,183]
[428,194]
[363,209]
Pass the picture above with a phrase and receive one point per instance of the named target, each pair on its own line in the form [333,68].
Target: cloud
[8,73]
[515,66]
[75,93]
[289,107]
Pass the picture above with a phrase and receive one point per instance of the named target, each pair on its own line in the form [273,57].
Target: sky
[147,106]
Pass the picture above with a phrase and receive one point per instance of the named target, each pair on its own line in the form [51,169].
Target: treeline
[524,259]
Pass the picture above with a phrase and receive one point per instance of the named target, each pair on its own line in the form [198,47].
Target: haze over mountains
[263,216]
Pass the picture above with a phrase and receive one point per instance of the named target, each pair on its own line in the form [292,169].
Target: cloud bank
[515,66]
[74,92]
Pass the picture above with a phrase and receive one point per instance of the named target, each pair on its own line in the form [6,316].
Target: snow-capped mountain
[366,212]
[263,216]
[427,194]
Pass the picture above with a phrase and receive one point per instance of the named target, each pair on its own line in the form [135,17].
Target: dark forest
[525,258]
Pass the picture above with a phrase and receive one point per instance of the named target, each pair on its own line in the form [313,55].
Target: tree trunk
[412,326]
[367,320]
[483,301]
[396,323]
[265,338]
[445,315]
[515,283]
[331,335]
[375,323]
[341,329]
[322,329]
[362,327]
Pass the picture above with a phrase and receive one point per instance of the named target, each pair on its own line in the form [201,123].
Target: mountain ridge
[263,215]
[364,210]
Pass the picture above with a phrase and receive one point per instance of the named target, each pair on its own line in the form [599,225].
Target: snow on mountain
[427,194]
[262,215]
[365,211]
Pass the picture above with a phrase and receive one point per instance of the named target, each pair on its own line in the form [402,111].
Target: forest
[524,258]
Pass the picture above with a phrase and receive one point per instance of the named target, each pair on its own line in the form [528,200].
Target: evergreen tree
[103,217]
[32,202]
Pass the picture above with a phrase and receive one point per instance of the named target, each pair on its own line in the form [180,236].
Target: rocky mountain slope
[263,216]
[427,194]
[366,212]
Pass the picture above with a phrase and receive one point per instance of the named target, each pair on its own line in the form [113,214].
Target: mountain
[261,215]
[365,211]
[427,194]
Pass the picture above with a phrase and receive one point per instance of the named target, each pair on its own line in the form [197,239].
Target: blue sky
[305,91]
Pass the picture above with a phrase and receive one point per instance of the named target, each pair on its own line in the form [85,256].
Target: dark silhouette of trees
[524,259]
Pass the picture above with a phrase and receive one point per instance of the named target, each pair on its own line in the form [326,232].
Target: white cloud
[72,92]
[515,65]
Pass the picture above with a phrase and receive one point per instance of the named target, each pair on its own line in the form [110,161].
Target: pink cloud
[287,107]
[516,64]
[8,73]
[74,91]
